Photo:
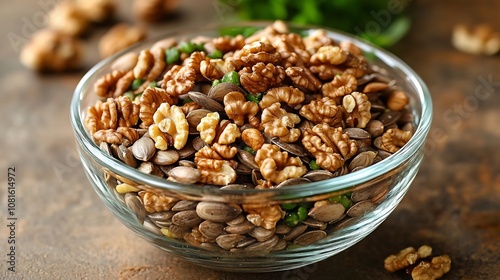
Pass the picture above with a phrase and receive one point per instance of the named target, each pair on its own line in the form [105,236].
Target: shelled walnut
[120,37]
[51,50]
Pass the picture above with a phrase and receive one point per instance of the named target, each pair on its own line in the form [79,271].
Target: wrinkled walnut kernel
[277,166]
[120,37]
[278,122]
[238,109]
[261,77]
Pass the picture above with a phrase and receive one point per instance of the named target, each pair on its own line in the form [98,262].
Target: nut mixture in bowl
[233,149]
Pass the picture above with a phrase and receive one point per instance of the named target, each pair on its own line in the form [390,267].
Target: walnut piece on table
[120,37]
[480,39]
[51,50]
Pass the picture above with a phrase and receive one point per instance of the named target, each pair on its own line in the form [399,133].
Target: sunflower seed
[184,174]
[363,159]
[309,237]
[360,208]
[134,203]
[198,143]
[242,228]
[375,128]
[265,246]
[318,175]
[151,226]
[125,155]
[187,218]
[295,149]
[218,92]
[206,102]
[293,181]
[184,205]
[167,157]
[389,118]
[194,117]
[245,242]
[296,231]
[162,219]
[210,229]
[327,212]
[281,245]
[217,212]
[247,159]
[312,223]
[228,241]
[186,163]
[262,234]
[357,133]
[282,229]
[187,151]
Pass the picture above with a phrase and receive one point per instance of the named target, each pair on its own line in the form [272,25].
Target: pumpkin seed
[361,208]
[211,229]
[327,212]
[228,241]
[309,237]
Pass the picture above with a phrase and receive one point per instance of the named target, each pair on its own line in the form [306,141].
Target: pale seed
[217,212]
[327,212]
[187,218]
[143,149]
[184,174]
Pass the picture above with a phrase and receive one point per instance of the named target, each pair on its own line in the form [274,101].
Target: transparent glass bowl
[384,183]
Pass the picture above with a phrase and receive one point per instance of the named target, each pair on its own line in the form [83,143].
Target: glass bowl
[370,194]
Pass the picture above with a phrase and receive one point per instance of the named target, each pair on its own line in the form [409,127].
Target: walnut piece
[105,86]
[213,69]
[406,257]
[303,78]
[252,138]
[227,43]
[326,71]
[397,100]
[68,18]
[50,50]
[144,63]
[97,10]
[113,136]
[238,109]
[288,95]
[261,77]
[332,55]
[208,127]
[393,139]
[276,166]
[149,102]
[213,167]
[330,146]
[324,110]
[278,122]
[114,113]
[357,108]
[317,39]
[434,269]
[178,81]
[258,52]
[480,39]
[172,121]
[263,215]
[157,203]
[230,132]
[154,10]
[339,86]
[120,37]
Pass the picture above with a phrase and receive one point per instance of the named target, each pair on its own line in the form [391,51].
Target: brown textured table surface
[63,231]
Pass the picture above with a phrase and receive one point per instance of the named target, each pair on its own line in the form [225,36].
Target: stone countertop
[63,231]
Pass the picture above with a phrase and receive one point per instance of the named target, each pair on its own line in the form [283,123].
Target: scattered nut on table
[419,263]
[154,10]
[97,10]
[120,37]
[69,19]
[480,39]
[51,50]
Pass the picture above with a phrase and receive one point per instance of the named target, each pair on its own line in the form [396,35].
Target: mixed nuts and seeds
[268,111]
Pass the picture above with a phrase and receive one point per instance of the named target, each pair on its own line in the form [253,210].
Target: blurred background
[65,232]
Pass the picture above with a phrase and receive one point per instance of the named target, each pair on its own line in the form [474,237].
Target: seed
[198,143]
[194,117]
[361,194]
[166,157]
[151,226]
[361,208]
[378,198]
[318,175]
[184,205]
[262,234]
[187,218]
[105,148]
[296,231]
[220,90]
[247,159]
[126,156]
[143,149]
[174,231]
[162,219]
[126,188]
[264,245]
[210,229]
[327,212]
[236,221]
[206,102]
[184,174]
[281,245]
[186,163]
[375,128]
[228,241]
[293,181]
[363,159]
[134,203]
[312,223]
[242,228]
[309,237]
[217,212]
[389,118]
[295,149]
[187,151]
[149,168]
[282,229]
[245,242]
[357,133]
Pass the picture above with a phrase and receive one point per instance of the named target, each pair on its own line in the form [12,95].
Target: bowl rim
[364,175]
